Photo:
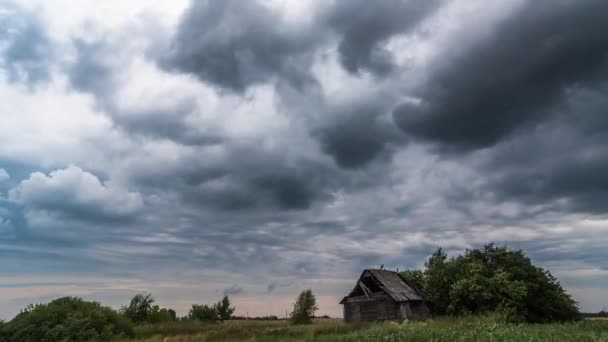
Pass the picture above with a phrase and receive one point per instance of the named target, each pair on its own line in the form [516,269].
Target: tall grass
[438,330]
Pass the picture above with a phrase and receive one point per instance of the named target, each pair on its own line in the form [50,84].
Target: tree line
[75,319]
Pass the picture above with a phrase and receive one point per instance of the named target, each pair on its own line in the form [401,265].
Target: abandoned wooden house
[384,295]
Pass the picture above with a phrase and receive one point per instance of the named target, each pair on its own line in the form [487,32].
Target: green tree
[158,315]
[304,308]
[224,310]
[415,277]
[66,319]
[493,279]
[203,313]
[438,278]
[139,309]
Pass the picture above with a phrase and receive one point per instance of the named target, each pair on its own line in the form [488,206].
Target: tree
[304,308]
[158,315]
[66,319]
[493,279]
[415,277]
[203,313]
[439,276]
[139,309]
[224,311]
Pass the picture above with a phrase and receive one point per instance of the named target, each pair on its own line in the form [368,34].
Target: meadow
[438,330]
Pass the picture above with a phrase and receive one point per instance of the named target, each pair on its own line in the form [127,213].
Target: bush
[493,279]
[66,319]
[304,308]
[203,313]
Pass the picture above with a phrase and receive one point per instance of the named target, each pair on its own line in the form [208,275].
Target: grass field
[448,330]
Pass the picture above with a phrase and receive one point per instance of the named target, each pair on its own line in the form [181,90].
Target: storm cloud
[199,148]
[515,77]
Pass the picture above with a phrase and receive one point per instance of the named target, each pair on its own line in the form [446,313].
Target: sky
[195,149]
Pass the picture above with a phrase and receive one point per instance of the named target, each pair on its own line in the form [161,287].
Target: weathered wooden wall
[377,307]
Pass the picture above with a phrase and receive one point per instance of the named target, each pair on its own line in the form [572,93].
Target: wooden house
[384,295]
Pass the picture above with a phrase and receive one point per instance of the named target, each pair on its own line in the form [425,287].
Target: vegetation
[141,310]
[493,279]
[204,313]
[224,310]
[492,293]
[464,329]
[601,314]
[304,308]
[66,319]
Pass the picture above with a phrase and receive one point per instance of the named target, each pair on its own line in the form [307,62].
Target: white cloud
[4,175]
[76,192]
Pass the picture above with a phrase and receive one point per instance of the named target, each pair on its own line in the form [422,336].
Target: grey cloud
[358,132]
[235,44]
[94,71]
[363,26]
[564,159]
[27,56]
[510,80]
[254,179]
[271,287]
[233,290]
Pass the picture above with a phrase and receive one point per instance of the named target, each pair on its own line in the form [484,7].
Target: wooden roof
[392,284]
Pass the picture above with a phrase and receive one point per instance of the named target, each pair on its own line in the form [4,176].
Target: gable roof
[394,285]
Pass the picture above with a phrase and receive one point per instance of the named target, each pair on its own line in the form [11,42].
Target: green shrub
[66,319]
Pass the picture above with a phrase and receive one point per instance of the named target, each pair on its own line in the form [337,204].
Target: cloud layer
[256,148]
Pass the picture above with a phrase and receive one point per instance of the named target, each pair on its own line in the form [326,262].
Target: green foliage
[445,329]
[203,313]
[66,319]
[416,277]
[493,279]
[211,313]
[477,329]
[158,315]
[304,308]
[140,310]
[224,310]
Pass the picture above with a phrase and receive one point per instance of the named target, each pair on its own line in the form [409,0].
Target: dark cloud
[234,44]
[357,132]
[27,54]
[233,290]
[564,159]
[257,180]
[363,26]
[511,79]
[271,287]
